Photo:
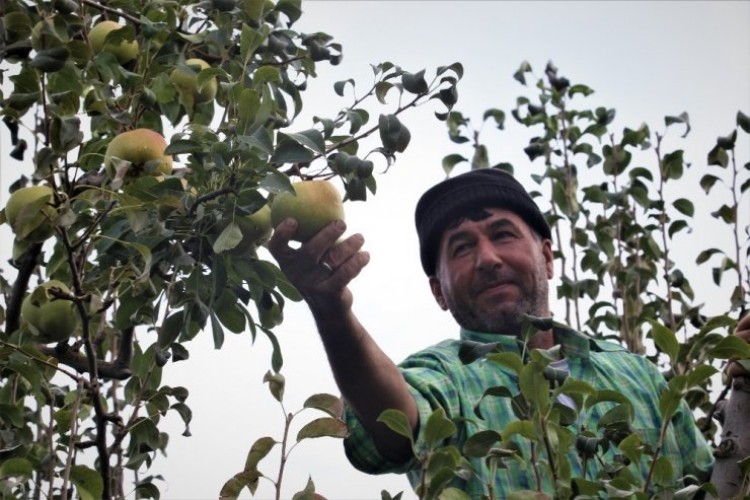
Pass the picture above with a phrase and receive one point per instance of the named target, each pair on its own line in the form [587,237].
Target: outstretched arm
[321,269]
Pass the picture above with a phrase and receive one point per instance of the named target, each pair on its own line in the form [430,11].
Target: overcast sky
[646,59]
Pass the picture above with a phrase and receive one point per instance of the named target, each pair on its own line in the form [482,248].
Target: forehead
[492,217]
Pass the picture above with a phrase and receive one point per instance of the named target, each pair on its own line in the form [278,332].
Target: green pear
[124,51]
[255,229]
[30,211]
[143,148]
[186,81]
[316,204]
[49,318]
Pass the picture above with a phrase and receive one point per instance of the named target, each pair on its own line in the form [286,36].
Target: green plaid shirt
[438,379]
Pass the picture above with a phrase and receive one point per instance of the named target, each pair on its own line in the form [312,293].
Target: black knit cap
[445,202]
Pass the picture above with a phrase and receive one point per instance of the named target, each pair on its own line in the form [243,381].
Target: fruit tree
[153,138]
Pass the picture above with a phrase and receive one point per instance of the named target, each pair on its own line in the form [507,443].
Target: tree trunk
[735,443]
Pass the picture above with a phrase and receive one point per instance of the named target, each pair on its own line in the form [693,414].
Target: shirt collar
[574,344]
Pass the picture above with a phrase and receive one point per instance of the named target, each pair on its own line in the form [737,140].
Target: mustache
[490,279]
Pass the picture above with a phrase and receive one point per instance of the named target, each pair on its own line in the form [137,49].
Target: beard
[506,318]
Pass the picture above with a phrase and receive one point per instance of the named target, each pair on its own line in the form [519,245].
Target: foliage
[329,426]
[145,249]
[615,225]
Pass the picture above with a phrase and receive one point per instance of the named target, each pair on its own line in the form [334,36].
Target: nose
[486,255]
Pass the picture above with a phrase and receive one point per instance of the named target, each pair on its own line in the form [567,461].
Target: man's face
[492,271]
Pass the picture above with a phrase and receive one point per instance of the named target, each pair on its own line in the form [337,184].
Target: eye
[460,249]
[502,235]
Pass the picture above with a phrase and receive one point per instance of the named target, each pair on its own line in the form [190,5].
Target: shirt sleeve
[430,386]
[697,457]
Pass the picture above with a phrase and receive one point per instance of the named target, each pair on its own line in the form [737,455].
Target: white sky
[646,59]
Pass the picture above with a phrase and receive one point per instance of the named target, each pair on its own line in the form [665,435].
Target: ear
[549,258]
[437,292]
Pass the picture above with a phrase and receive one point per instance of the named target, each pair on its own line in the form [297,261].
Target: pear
[49,318]
[124,51]
[316,204]
[143,148]
[30,211]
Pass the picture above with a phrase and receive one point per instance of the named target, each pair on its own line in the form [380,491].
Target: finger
[323,240]
[743,328]
[348,270]
[342,251]
[278,245]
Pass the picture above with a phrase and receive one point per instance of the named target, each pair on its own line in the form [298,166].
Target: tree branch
[25,265]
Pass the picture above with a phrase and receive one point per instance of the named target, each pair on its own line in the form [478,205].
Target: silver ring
[325,265]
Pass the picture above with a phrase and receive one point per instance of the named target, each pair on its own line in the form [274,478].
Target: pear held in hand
[316,204]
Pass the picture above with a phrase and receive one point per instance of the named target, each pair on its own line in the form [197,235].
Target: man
[486,249]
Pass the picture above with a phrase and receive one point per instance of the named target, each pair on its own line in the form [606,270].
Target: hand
[743,332]
[321,268]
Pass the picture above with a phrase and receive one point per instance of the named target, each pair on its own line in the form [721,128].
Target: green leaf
[276,357]
[727,142]
[266,74]
[451,161]
[685,206]
[228,239]
[393,134]
[663,471]
[669,401]
[308,493]
[507,359]
[289,151]
[437,429]
[534,386]
[453,493]
[276,383]
[258,451]
[323,427]
[250,40]
[381,90]
[523,427]
[339,86]
[682,118]
[665,339]
[232,488]
[676,227]
[50,60]
[496,114]
[171,328]
[718,156]
[519,74]
[480,443]
[292,9]
[311,138]
[456,67]
[327,403]
[743,121]
[700,374]
[186,414]
[397,422]
[17,467]
[580,89]
[705,255]
[673,165]
[414,82]
[88,482]
[731,347]
[217,331]
[707,182]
